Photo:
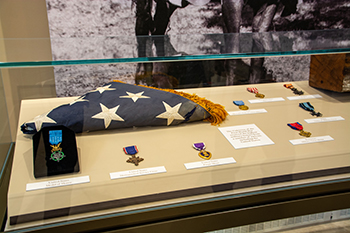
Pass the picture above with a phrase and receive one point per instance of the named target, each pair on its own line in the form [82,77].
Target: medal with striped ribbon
[308,107]
[299,127]
[132,150]
[295,91]
[256,92]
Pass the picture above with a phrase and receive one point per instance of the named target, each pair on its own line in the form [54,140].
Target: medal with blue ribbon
[308,107]
[132,150]
[202,152]
[299,127]
[55,139]
[240,104]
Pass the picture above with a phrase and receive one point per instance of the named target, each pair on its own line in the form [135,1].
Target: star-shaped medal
[171,113]
[108,114]
[39,120]
[135,96]
[102,89]
[135,160]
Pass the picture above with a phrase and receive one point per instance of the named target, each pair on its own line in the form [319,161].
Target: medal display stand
[52,157]
[259,168]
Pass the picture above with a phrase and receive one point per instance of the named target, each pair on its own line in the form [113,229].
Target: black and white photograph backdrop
[107,29]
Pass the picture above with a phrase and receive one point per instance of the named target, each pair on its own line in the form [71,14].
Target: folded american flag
[121,105]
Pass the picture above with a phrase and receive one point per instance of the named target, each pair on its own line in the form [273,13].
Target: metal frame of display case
[216,212]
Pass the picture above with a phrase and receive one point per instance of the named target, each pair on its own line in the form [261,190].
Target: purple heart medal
[202,153]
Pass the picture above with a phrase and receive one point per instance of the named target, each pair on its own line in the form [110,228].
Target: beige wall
[24,26]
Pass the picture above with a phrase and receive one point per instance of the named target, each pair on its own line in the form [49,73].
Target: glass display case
[259,164]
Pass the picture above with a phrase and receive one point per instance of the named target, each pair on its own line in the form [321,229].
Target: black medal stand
[44,163]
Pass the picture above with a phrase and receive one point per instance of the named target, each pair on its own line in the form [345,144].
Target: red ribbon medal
[299,127]
[256,92]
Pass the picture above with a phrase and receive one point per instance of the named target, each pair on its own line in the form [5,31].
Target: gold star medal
[202,153]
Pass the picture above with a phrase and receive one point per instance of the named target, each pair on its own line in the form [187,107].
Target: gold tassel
[217,111]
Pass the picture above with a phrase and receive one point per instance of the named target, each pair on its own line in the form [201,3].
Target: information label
[137,172]
[311,140]
[57,183]
[246,112]
[324,119]
[276,99]
[303,97]
[244,136]
[210,163]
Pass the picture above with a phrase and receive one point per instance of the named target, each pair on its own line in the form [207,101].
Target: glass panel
[256,170]
[96,50]
[5,135]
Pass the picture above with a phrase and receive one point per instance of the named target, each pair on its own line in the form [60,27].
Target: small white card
[324,119]
[276,99]
[57,183]
[303,97]
[311,140]
[244,136]
[246,112]
[210,163]
[137,172]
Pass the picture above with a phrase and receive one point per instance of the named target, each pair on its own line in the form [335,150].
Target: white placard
[137,172]
[210,163]
[276,99]
[57,183]
[303,97]
[311,140]
[324,119]
[244,136]
[246,112]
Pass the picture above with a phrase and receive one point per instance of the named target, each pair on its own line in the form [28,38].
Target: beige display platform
[100,153]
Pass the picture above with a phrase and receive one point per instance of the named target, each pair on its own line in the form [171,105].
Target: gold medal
[243,107]
[204,154]
[259,95]
[240,104]
[304,133]
[256,92]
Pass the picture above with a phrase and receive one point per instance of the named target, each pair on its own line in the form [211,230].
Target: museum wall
[22,23]
[105,26]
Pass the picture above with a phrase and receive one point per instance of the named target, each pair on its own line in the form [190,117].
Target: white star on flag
[102,89]
[81,99]
[39,120]
[133,96]
[171,113]
[108,114]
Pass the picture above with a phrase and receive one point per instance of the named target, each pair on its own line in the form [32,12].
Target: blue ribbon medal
[55,139]
[240,104]
[202,153]
[132,150]
[308,107]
